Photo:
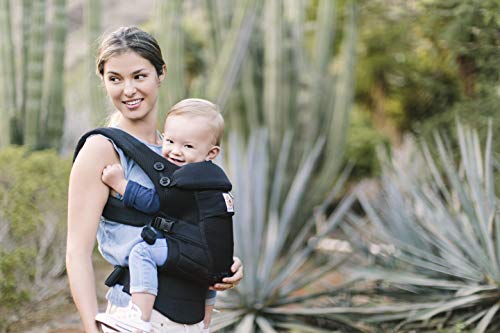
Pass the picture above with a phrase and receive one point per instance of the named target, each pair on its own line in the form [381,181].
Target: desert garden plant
[434,238]
[280,269]
[33,187]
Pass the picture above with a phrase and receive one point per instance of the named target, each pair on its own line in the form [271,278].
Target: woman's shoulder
[98,148]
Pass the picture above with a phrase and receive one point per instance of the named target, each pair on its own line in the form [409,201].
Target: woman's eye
[140,76]
[113,79]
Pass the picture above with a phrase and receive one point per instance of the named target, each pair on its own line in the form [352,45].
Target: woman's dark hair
[127,39]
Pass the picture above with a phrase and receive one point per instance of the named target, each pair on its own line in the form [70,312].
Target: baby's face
[188,140]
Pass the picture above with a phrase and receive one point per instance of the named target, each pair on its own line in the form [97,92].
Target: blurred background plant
[32,75]
[281,274]
[32,234]
[433,242]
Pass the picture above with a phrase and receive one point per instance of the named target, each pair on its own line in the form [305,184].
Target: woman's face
[132,84]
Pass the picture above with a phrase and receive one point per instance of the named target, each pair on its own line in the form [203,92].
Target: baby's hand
[113,176]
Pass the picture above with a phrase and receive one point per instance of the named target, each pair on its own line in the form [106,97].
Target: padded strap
[158,169]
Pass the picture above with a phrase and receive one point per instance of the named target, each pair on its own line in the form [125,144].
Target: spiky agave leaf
[274,271]
[440,231]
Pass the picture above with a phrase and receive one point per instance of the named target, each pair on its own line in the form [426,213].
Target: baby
[192,133]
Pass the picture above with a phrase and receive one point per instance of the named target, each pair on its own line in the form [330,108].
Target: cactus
[171,39]
[93,11]
[8,79]
[27,10]
[54,117]
[36,54]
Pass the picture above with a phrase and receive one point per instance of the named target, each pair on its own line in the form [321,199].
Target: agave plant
[434,238]
[277,256]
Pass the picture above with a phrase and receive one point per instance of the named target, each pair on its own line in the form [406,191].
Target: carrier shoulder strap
[155,166]
[147,159]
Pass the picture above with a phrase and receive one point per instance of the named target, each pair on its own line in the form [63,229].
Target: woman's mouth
[133,103]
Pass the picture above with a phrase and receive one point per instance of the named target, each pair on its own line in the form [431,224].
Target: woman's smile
[133,104]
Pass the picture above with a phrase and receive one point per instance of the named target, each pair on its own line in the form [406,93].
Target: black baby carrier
[196,218]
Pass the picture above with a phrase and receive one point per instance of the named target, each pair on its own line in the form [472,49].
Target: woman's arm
[87,196]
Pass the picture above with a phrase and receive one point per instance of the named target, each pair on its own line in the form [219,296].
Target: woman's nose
[129,89]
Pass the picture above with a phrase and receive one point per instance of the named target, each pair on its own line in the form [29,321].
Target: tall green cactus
[7,78]
[27,12]
[170,36]
[36,55]
[93,9]
[54,110]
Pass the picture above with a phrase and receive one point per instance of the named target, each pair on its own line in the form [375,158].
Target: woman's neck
[141,129]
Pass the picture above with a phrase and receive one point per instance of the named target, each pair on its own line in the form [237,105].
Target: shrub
[33,191]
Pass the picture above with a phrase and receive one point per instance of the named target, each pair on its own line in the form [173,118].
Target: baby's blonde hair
[197,107]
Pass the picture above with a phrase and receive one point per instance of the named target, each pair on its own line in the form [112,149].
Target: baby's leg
[143,262]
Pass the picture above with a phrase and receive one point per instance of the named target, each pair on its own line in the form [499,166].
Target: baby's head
[192,133]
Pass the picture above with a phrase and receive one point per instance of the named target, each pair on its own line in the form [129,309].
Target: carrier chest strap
[115,210]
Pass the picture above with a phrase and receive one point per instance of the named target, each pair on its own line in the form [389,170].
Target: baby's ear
[212,153]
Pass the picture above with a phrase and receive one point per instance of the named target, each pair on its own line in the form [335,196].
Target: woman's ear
[163,74]
[212,153]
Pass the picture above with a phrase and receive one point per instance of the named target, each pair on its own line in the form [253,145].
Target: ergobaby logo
[228,198]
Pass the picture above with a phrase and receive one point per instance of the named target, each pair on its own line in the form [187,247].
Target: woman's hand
[231,282]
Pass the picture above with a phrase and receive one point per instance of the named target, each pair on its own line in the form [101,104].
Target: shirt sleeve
[211,296]
[141,198]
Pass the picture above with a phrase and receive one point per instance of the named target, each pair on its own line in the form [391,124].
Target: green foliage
[402,77]
[422,63]
[33,191]
[469,29]
[434,239]
[362,141]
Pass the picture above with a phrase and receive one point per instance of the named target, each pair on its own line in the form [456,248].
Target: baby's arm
[113,176]
[134,195]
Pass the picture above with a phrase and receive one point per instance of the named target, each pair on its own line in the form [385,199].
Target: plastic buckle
[115,276]
[148,234]
[163,224]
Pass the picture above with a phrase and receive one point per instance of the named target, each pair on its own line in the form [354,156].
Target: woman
[131,66]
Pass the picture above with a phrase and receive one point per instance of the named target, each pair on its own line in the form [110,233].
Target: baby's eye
[189,146]
[168,141]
